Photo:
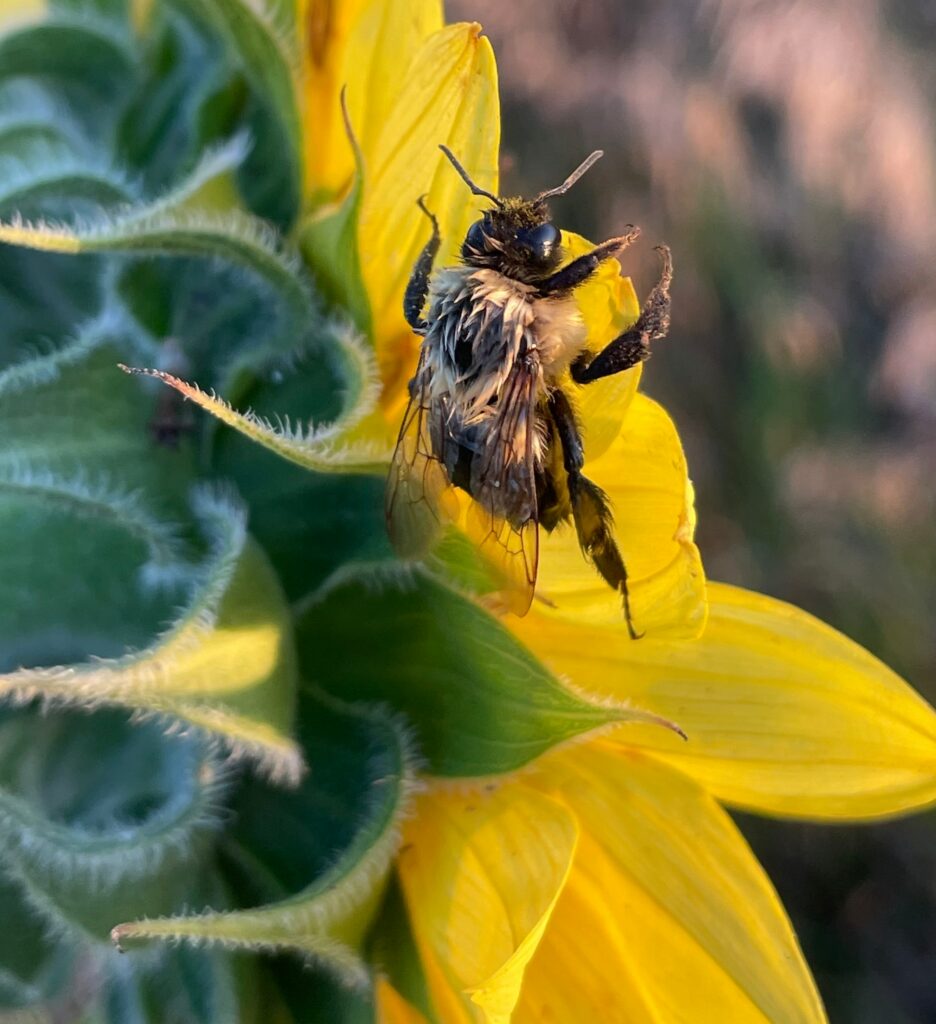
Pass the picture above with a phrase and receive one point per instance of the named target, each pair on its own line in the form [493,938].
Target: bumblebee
[490,413]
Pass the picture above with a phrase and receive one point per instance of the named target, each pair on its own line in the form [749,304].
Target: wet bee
[490,414]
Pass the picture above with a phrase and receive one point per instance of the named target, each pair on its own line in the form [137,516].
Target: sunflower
[462,816]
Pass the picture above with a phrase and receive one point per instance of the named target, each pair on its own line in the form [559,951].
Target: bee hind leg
[633,346]
[591,509]
[418,288]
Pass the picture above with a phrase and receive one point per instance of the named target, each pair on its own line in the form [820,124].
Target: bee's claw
[421,203]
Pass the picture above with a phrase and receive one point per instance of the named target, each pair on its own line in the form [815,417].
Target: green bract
[217,682]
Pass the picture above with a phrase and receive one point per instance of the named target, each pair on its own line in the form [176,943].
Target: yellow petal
[644,475]
[609,306]
[13,12]
[481,874]
[450,96]
[674,920]
[365,46]
[784,715]
[392,1008]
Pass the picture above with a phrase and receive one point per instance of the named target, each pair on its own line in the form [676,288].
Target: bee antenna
[463,174]
[584,166]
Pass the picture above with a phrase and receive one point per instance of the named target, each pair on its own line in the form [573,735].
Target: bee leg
[591,510]
[633,346]
[418,288]
[580,270]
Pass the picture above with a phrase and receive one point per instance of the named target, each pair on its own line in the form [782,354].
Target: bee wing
[503,519]
[421,500]
[418,485]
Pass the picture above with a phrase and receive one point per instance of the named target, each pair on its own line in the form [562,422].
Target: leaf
[317,856]
[101,818]
[481,704]
[226,665]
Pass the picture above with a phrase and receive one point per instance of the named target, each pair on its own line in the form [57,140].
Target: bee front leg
[591,510]
[581,269]
[633,346]
[418,288]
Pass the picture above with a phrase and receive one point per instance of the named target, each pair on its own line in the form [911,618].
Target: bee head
[517,236]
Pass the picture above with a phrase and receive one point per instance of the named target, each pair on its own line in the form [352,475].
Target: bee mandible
[490,413]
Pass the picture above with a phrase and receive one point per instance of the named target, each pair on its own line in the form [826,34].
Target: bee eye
[542,241]
[476,238]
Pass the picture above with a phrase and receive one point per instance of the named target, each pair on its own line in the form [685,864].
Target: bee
[491,405]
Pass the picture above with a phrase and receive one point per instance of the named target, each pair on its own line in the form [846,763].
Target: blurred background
[786,151]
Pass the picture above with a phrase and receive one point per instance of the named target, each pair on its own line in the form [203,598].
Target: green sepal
[310,995]
[87,52]
[35,967]
[308,523]
[101,818]
[226,665]
[313,860]
[479,701]
[70,413]
[392,950]
[265,46]
[328,240]
[344,445]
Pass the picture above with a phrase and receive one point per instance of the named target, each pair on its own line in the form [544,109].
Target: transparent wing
[421,501]
[503,519]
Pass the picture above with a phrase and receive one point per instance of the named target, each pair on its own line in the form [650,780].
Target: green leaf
[316,858]
[179,225]
[226,665]
[480,703]
[101,818]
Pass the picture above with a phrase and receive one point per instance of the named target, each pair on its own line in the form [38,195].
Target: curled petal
[481,874]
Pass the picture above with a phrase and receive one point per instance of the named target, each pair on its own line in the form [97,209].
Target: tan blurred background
[786,151]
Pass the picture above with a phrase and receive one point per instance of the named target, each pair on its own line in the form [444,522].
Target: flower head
[566,854]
